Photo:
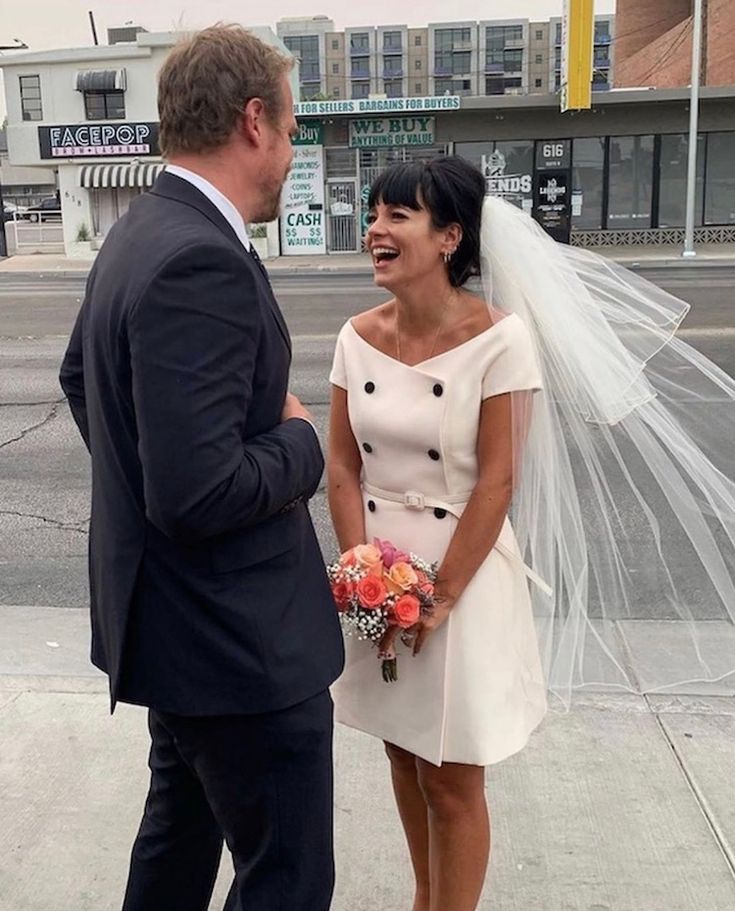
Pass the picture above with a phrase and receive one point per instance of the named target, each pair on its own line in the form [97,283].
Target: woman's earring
[447,257]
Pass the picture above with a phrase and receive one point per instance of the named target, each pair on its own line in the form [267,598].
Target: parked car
[10,211]
[45,211]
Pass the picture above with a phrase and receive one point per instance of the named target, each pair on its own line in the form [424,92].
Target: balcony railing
[359,52]
[360,74]
[392,74]
[393,51]
[306,78]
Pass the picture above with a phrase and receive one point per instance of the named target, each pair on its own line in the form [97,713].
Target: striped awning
[100,80]
[109,176]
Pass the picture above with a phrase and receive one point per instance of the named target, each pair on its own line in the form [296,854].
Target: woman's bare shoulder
[374,324]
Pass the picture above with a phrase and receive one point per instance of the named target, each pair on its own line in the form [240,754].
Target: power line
[675,45]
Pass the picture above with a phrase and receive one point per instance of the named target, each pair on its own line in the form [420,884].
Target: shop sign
[510,186]
[552,207]
[391,131]
[310,134]
[97,140]
[302,219]
[577,46]
[556,153]
[378,106]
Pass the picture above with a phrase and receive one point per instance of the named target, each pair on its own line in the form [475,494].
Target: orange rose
[402,577]
[341,592]
[370,559]
[371,592]
[407,611]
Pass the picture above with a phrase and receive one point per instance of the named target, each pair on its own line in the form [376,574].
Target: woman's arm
[483,517]
[343,475]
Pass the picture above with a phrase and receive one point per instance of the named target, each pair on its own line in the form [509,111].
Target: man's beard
[270,207]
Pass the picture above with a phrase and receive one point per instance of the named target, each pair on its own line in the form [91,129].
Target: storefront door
[342,215]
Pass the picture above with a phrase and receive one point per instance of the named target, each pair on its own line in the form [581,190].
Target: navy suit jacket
[208,589]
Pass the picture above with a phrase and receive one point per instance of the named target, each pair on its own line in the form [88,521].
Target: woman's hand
[421,630]
[430,623]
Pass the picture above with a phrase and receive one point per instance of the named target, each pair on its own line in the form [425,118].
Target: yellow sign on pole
[577,48]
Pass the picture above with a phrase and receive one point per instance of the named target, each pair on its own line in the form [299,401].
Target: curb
[294,272]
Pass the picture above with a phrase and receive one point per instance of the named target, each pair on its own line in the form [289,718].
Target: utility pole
[689,250]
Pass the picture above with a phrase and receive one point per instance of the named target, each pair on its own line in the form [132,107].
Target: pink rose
[371,592]
[390,553]
[406,611]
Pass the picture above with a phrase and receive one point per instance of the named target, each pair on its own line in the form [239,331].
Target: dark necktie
[254,253]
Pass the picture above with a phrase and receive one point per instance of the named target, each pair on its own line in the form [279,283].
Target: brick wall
[653,44]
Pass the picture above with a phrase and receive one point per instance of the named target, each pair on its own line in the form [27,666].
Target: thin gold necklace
[436,334]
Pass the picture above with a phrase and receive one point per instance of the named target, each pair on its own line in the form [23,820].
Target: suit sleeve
[194,336]
[71,379]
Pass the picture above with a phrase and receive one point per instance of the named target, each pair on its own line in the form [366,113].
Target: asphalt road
[44,471]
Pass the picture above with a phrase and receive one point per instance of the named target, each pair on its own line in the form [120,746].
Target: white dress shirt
[217,199]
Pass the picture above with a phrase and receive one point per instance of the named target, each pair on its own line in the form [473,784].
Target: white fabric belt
[412,499]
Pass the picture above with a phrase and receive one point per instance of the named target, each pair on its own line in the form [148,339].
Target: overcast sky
[44,24]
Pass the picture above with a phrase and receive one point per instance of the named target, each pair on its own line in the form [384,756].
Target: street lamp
[689,250]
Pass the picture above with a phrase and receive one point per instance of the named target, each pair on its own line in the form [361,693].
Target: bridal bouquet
[377,587]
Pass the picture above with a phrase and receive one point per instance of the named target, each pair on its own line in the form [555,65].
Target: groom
[210,603]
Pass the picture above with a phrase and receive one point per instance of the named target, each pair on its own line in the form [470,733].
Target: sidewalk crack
[28,430]
[699,796]
[55,523]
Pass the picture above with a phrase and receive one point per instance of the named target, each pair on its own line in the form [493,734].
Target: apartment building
[494,57]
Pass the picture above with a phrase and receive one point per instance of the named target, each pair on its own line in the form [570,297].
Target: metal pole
[693,130]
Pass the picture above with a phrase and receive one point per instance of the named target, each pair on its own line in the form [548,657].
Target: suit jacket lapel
[172,187]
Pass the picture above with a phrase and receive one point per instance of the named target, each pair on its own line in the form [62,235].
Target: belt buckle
[413,500]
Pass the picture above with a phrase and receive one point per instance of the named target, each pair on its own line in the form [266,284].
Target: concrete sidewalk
[359,263]
[623,804]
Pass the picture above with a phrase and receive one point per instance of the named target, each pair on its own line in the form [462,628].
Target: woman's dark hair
[452,192]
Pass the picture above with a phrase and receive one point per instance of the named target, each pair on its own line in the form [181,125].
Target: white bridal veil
[625,503]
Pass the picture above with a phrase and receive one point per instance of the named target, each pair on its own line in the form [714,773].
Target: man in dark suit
[210,603]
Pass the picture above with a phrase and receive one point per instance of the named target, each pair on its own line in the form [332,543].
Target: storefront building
[90,114]
[617,173]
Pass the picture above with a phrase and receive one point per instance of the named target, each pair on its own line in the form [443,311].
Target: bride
[533,440]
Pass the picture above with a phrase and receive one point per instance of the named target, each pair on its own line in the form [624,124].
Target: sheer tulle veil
[624,498]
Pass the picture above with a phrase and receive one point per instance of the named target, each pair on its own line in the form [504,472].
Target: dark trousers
[261,782]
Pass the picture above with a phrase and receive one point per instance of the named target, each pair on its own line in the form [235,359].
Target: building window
[306,49]
[104,105]
[360,41]
[588,166]
[30,97]
[335,69]
[360,89]
[602,32]
[417,40]
[392,41]
[720,194]
[335,45]
[360,68]
[539,83]
[539,34]
[417,64]
[335,92]
[419,88]
[394,88]
[447,39]
[453,86]
[501,160]
[499,85]
[673,180]
[539,58]
[631,182]
[393,66]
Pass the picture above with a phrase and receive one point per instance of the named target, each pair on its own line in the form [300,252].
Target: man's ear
[251,122]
